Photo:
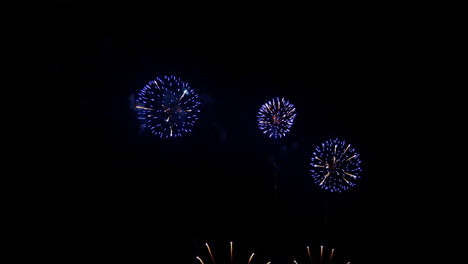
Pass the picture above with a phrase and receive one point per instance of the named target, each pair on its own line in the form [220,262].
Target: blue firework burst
[335,166]
[167,107]
[276,117]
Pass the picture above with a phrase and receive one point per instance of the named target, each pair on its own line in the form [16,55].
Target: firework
[247,260]
[276,117]
[167,107]
[335,166]
[323,258]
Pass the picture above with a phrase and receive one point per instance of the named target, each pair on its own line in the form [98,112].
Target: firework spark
[276,117]
[335,166]
[321,257]
[167,107]
[231,255]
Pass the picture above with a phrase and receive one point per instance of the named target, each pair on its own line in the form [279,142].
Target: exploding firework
[335,166]
[242,259]
[167,107]
[276,117]
[323,258]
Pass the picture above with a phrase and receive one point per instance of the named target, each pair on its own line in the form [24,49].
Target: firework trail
[231,256]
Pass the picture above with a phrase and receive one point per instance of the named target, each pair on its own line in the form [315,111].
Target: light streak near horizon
[321,257]
[231,255]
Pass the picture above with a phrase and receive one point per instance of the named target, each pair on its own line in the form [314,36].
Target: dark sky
[148,199]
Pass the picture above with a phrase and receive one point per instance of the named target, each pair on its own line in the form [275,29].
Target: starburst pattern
[167,107]
[335,166]
[276,117]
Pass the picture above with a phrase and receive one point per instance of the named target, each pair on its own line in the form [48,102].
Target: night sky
[146,199]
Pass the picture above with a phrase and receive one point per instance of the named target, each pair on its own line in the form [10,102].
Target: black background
[148,199]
